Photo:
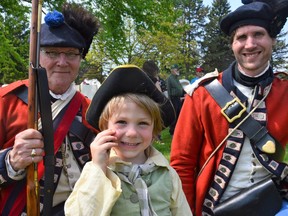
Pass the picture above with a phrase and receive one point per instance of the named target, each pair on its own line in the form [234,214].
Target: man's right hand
[27,149]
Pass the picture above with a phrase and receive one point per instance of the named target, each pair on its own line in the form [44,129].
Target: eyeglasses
[55,55]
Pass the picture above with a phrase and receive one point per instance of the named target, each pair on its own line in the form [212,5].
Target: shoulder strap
[83,133]
[22,93]
[12,87]
[234,111]
[78,129]
[47,131]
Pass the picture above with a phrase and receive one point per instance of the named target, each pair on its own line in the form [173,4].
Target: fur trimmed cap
[255,13]
[74,27]
[56,33]
[128,79]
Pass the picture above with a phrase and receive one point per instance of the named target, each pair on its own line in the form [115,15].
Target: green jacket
[174,87]
[98,195]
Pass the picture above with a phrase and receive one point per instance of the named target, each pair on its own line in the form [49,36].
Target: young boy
[127,176]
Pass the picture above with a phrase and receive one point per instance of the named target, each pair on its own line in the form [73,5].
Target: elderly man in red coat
[64,42]
[232,130]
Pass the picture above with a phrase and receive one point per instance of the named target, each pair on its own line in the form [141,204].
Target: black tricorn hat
[128,79]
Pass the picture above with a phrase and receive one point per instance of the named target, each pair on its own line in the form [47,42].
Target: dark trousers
[58,210]
[177,106]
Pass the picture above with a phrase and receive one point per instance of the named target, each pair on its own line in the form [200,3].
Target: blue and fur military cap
[74,27]
[55,32]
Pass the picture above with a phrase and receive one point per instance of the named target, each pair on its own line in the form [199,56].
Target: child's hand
[100,148]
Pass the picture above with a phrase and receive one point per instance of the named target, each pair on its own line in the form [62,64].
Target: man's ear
[274,41]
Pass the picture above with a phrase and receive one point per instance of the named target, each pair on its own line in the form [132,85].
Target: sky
[235,4]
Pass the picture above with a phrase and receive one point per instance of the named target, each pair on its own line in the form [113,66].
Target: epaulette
[11,87]
[189,89]
[281,75]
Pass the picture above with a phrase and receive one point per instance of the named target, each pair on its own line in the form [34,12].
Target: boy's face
[134,132]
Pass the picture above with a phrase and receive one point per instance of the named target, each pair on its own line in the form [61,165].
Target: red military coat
[14,114]
[201,127]
[14,119]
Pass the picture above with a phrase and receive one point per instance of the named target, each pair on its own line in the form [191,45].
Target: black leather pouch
[262,199]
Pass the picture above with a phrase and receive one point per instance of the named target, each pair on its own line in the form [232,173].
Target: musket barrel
[33,206]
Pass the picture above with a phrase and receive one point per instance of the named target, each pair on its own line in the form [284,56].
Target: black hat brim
[128,79]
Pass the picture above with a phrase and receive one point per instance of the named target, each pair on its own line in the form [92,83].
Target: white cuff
[15,175]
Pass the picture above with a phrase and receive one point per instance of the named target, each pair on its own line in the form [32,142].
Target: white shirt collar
[71,90]
[258,74]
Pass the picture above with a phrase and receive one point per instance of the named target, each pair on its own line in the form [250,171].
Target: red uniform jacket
[14,119]
[201,127]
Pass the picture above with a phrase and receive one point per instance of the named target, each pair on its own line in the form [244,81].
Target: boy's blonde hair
[143,101]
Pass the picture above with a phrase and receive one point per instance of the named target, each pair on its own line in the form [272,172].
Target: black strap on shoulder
[48,136]
[82,132]
[22,93]
[77,128]
[234,111]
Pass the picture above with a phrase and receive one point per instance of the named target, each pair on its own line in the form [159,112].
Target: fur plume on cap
[83,21]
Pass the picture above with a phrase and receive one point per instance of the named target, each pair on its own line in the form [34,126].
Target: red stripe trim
[59,136]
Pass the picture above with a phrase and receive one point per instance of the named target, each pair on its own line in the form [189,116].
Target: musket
[33,205]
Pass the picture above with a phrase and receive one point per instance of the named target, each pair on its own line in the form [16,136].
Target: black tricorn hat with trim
[128,79]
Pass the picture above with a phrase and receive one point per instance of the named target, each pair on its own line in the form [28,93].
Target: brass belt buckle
[229,104]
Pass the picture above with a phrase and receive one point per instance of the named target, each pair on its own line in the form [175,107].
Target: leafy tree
[14,41]
[160,47]
[116,15]
[216,44]
[132,31]
[95,61]
[193,20]
[280,50]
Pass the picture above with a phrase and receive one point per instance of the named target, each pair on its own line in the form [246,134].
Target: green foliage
[193,20]
[118,16]
[216,44]
[14,37]
[182,31]
[164,144]
[286,155]
[91,68]
[279,55]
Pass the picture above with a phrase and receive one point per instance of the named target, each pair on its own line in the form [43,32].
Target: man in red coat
[213,151]
[65,40]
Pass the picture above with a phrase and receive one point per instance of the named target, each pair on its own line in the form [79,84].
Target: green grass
[164,145]
[286,155]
